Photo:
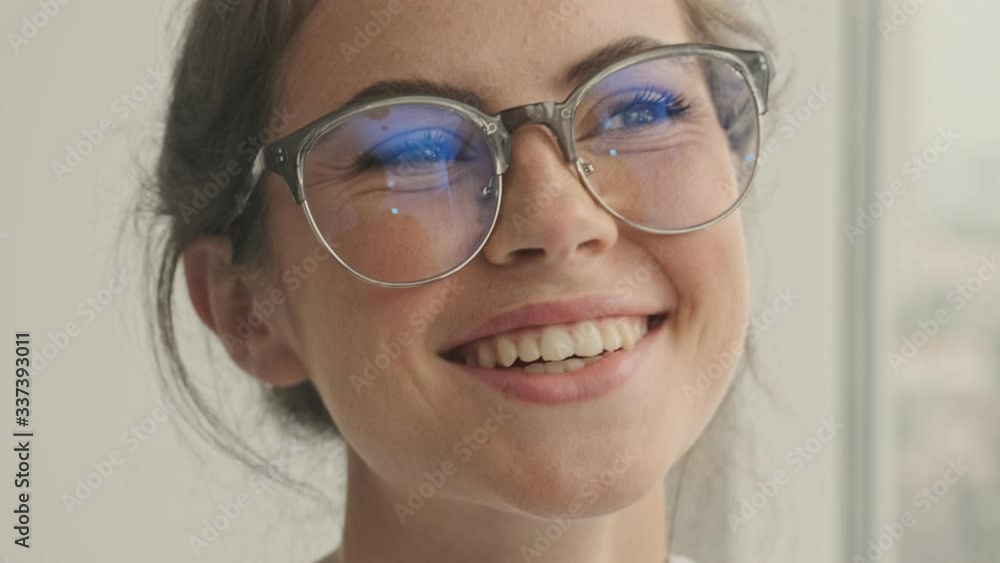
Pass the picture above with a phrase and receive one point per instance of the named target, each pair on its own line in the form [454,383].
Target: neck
[446,530]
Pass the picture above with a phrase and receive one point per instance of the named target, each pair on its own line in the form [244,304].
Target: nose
[547,215]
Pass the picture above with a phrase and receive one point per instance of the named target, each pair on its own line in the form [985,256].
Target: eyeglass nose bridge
[557,117]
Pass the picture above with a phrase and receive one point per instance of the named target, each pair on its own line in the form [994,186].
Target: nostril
[529,252]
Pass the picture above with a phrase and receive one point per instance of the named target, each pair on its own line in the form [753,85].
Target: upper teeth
[556,342]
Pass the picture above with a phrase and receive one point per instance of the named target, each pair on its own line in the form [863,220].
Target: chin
[602,481]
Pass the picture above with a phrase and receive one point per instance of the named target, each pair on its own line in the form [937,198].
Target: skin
[407,422]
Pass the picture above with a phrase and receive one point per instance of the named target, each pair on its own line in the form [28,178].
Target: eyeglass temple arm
[763,71]
[257,170]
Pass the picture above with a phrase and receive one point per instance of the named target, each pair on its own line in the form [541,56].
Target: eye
[415,149]
[646,108]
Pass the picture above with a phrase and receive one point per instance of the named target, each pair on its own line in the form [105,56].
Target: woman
[503,304]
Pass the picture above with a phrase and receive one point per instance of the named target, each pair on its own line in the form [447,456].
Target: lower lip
[590,382]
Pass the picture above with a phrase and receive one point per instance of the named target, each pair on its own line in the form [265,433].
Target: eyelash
[674,101]
[675,105]
[433,138]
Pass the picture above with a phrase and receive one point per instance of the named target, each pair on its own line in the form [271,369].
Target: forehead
[510,52]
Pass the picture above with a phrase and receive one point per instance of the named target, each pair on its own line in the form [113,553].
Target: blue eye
[648,107]
[416,149]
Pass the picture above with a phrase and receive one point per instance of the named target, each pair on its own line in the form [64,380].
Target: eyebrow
[608,55]
[576,74]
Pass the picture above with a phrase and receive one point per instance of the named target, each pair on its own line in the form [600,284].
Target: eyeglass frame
[755,67]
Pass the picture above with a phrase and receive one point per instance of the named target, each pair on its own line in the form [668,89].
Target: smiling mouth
[555,349]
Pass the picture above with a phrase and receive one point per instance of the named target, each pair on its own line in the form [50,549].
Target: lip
[587,308]
[588,383]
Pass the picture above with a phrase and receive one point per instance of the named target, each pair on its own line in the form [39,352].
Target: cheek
[363,347]
[366,353]
[709,272]
[354,344]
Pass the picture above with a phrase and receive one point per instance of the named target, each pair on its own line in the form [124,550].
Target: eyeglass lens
[408,192]
[669,143]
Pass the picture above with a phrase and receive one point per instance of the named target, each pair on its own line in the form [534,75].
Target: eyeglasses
[406,191]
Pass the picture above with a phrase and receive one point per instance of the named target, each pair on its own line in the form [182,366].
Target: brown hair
[224,88]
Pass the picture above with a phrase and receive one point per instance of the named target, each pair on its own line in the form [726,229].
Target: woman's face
[376,355]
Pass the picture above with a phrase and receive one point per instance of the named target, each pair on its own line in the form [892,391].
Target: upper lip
[591,307]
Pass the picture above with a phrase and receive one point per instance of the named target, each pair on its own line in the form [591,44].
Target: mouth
[555,349]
